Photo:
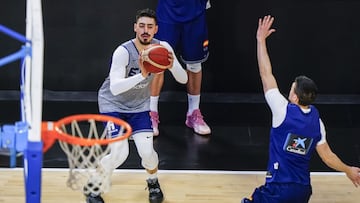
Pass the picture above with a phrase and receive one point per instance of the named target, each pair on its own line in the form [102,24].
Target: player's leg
[280,192]
[194,118]
[150,161]
[143,138]
[170,33]
[195,51]
[117,156]
[119,152]
[263,193]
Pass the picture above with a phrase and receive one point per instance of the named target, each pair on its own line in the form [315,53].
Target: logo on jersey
[205,45]
[133,71]
[143,84]
[297,144]
[112,130]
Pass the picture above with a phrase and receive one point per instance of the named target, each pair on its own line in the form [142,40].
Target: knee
[118,154]
[150,161]
[194,67]
[145,153]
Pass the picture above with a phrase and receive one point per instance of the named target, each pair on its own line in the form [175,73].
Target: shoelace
[198,118]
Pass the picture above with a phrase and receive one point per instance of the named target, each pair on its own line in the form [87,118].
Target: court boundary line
[205,172]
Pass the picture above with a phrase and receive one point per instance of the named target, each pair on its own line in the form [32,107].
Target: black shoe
[94,199]
[245,200]
[155,193]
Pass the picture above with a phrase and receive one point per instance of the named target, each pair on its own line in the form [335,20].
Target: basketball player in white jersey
[125,94]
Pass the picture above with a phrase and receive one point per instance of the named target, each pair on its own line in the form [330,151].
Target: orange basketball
[156,58]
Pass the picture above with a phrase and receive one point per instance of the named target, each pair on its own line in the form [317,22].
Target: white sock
[193,102]
[154,100]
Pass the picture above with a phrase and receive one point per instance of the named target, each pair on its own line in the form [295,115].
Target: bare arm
[264,30]
[333,161]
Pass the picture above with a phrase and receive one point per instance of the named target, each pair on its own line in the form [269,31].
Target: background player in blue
[182,23]
[297,131]
[125,94]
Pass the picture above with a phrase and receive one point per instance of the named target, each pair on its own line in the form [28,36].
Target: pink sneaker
[196,121]
[155,122]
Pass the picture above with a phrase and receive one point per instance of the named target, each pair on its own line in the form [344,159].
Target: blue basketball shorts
[281,193]
[139,122]
[189,39]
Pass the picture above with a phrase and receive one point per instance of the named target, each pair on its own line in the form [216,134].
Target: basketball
[155,58]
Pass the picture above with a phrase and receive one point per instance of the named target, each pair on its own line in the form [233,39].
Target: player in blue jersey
[125,94]
[297,132]
[182,23]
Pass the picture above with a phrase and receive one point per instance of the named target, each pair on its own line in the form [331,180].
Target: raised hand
[264,29]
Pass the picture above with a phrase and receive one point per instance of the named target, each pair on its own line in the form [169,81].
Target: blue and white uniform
[125,94]
[294,135]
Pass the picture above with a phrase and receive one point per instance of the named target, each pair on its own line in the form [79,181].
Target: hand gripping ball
[156,58]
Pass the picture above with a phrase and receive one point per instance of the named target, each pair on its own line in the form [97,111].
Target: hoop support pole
[32,171]
[33,101]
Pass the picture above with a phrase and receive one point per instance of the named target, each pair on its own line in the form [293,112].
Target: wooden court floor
[179,186]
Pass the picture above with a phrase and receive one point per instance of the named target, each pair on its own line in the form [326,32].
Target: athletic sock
[154,100]
[193,102]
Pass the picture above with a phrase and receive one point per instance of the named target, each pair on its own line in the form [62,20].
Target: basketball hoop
[85,139]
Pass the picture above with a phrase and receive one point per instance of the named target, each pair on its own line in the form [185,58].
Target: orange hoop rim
[56,133]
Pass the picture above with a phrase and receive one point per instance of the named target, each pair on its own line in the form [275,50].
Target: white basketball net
[84,161]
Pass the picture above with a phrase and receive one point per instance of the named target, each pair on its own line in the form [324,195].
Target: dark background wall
[316,38]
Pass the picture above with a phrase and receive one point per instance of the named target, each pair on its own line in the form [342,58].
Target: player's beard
[145,41]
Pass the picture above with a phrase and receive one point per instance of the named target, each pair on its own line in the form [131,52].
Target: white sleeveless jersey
[136,99]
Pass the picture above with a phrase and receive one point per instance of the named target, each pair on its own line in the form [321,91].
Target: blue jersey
[179,11]
[292,145]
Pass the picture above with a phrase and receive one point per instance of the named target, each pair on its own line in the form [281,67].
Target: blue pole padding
[15,56]
[32,171]
[13,34]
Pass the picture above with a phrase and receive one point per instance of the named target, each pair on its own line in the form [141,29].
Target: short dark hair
[146,13]
[306,90]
